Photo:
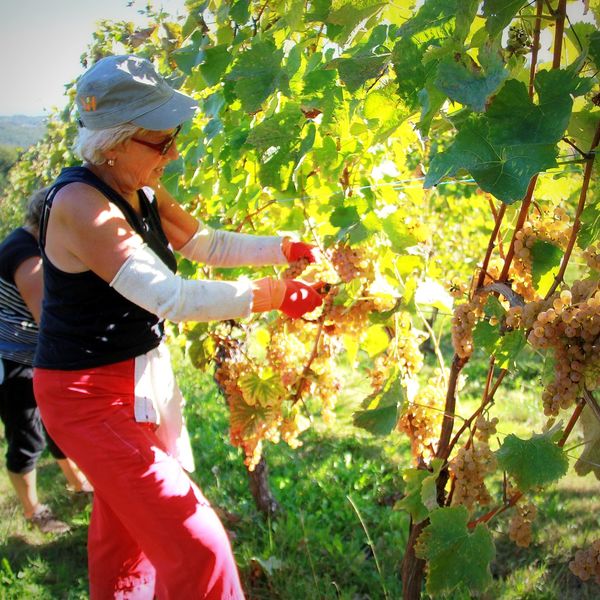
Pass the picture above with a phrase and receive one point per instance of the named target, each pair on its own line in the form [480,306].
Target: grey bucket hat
[127,89]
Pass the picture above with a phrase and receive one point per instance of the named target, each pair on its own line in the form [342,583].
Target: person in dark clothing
[20,305]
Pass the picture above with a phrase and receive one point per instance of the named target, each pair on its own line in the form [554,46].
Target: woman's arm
[30,283]
[198,242]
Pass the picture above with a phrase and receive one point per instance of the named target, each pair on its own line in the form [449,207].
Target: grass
[338,536]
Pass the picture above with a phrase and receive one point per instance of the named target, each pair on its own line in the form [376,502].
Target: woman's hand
[294,251]
[292,297]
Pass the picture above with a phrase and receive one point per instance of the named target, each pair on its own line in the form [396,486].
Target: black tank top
[85,323]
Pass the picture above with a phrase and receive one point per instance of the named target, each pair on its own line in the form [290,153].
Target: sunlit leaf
[503,170]
[384,407]
[532,463]
[216,61]
[500,13]
[455,554]
[376,340]
[420,493]
[546,259]
[257,73]
[265,390]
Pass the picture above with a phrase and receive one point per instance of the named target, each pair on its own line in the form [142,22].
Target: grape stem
[298,393]
[561,14]
[535,44]
[587,175]
[248,218]
[491,244]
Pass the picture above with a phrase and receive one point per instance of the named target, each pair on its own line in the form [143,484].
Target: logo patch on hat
[89,103]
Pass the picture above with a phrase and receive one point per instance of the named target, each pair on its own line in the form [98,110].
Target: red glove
[290,296]
[300,298]
[294,251]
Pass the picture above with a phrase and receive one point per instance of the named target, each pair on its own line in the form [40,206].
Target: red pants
[152,532]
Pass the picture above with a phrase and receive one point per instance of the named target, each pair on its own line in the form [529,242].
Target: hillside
[21,131]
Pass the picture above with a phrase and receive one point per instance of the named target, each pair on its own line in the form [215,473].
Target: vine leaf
[411,74]
[191,55]
[515,139]
[240,11]
[420,496]
[508,348]
[515,119]
[216,61]
[500,13]
[590,226]
[503,170]
[344,216]
[594,48]
[532,463]
[545,263]
[433,20]
[257,73]
[505,348]
[589,460]
[264,389]
[382,408]
[349,16]
[357,70]
[455,555]
[273,140]
[464,81]
[400,236]
[248,421]
[376,340]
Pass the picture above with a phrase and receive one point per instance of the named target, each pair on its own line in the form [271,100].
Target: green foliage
[420,496]
[515,138]
[382,409]
[500,13]
[464,81]
[546,259]
[503,170]
[455,555]
[532,463]
[263,389]
[257,73]
[505,347]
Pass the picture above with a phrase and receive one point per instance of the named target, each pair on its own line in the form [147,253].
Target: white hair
[91,144]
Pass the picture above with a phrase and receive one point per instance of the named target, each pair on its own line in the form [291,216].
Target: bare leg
[74,476]
[25,486]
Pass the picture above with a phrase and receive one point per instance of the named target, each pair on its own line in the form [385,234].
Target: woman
[20,307]
[103,379]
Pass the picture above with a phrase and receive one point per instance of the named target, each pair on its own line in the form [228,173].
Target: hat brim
[175,111]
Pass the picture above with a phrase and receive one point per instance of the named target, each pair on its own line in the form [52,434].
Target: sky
[41,42]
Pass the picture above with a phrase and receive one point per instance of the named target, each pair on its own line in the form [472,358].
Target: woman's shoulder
[79,200]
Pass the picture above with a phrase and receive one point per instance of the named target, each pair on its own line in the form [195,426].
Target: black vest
[85,323]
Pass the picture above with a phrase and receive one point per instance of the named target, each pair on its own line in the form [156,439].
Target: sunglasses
[161,147]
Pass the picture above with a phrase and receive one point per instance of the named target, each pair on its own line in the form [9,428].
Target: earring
[111,162]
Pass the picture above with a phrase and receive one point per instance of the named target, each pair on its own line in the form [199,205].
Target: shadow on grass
[565,521]
[54,569]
